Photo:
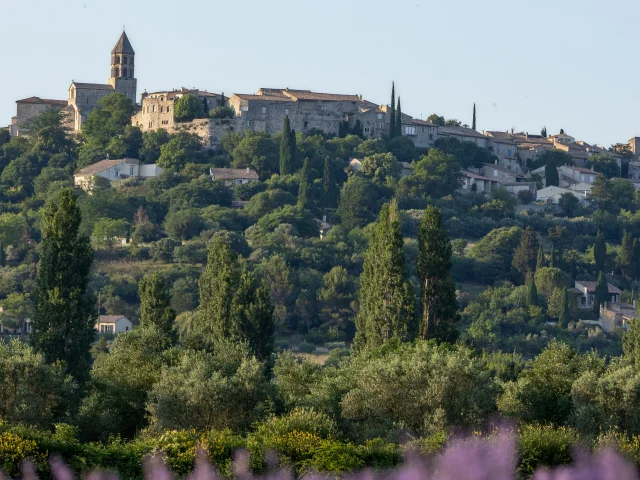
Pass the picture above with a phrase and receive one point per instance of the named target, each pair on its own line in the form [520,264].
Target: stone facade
[28,108]
[158,108]
[83,97]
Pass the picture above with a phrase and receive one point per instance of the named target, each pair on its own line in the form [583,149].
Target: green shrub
[305,347]
[544,445]
[333,457]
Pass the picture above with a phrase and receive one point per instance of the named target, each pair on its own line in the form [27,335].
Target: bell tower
[123,68]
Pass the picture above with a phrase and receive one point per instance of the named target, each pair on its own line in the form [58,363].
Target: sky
[571,64]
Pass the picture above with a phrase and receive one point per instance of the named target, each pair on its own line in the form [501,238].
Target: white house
[586,292]
[114,170]
[113,324]
[234,176]
[552,194]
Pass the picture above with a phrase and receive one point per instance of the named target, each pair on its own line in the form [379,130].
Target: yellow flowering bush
[179,448]
[14,449]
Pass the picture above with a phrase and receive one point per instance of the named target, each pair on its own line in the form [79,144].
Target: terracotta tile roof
[465,132]
[476,176]
[416,121]
[264,98]
[43,101]
[591,286]
[98,167]
[123,45]
[93,86]
[109,318]
[233,174]
[324,97]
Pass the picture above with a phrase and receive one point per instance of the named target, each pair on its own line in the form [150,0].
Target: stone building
[158,108]
[83,97]
[28,108]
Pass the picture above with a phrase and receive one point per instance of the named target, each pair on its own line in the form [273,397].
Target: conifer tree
[565,312]
[525,256]
[294,150]
[438,292]
[386,295]
[636,258]
[218,285]
[626,256]
[303,189]
[64,319]
[631,344]
[392,112]
[602,292]
[399,120]
[329,190]
[600,252]
[543,132]
[551,174]
[205,107]
[285,148]
[532,292]
[473,123]
[155,305]
[540,263]
[3,257]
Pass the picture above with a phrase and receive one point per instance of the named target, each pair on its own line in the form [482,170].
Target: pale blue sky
[571,64]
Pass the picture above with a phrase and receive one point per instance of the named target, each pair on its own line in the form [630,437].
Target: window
[87,100]
[131,171]
[366,129]
[116,173]
[495,172]
[249,123]
[117,58]
[150,124]
[409,130]
[264,110]
[124,72]
[244,108]
[322,106]
[431,136]
[106,328]
[117,71]
[153,108]
[379,116]
[161,108]
[168,109]
[306,124]
[125,60]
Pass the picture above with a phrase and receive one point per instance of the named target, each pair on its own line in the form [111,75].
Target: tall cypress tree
[626,256]
[392,112]
[386,295]
[285,148]
[600,252]
[3,258]
[218,285]
[438,292]
[399,120]
[473,123]
[294,150]
[532,291]
[155,305]
[525,256]
[551,174]
[329,189]
[540,263]
[543,132]
[565,312]
[304,187]
[65,314]
[602,292]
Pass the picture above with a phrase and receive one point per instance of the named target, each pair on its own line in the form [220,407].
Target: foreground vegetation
[438,313]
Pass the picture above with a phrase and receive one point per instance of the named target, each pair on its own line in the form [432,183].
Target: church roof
[123,45]
[92,86]
[43,101]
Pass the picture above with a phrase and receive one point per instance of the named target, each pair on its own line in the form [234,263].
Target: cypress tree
[285,148]
[636,258]
[3,258]
[329,190]
[601,294]
[438,292]
[565,312]
[626,256]
[392,112]
[543,132]
[631,344]
[399,120]
[532,292]
[473,123]
[205,107]
[540,263]
[386,295]
[303,188]
[64,319]
[600,252]
[525,256]
[218,285]
[551,174]
[294,150]
[155,305]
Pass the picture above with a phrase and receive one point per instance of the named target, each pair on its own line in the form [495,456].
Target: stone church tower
[122,68]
